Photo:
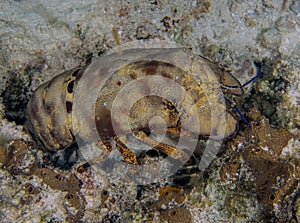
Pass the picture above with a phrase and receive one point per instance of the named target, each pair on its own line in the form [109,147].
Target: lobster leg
[128,155]
[105,146]
[165,148]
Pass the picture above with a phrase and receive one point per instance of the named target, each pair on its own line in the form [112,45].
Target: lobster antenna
[260,75]
[238,110]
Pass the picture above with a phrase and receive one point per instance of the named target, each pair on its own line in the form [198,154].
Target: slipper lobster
[136,92]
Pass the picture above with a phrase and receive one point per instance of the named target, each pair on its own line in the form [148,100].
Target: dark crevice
[15,97]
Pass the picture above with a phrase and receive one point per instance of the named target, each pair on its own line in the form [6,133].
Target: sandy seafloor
[250,181]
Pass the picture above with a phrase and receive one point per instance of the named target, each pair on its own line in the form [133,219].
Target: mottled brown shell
[50,107]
